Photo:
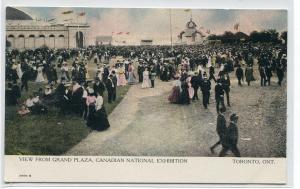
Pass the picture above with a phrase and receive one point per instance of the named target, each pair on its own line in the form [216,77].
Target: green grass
[50,134]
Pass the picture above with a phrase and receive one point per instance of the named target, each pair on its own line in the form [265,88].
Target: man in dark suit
[110,86]
[239,74]
[205,88]
[152,76]
[280,72]
[226,86]
[231,138]
[105,74]
[221,129]
[24,80]
[219,95]
[211,73]
[140,71]
[269,74]
[196,82]
[76,98]
[263,76]
[115,81]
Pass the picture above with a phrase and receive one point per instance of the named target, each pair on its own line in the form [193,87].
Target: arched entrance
[31,41]
[11,41]
[79,39]
[60,42]
[51,42]
[20,42]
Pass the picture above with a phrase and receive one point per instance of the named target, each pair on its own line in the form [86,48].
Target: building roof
[15,14]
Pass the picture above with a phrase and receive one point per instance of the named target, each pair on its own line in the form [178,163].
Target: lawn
[50,134]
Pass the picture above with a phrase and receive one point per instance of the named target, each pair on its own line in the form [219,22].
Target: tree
[284,36]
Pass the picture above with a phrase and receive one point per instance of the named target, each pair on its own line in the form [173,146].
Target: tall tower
[190,32]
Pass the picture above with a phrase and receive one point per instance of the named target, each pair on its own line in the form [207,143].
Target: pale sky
[155,23]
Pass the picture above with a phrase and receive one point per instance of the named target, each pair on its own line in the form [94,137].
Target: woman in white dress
[146,80]
[64,72]
[190,88]
[19,70]
[121,77]
[131,77]
[40,77]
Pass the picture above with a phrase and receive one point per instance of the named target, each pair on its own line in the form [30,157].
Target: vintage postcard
[145,95]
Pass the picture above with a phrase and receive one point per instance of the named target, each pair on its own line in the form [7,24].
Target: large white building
[23,32]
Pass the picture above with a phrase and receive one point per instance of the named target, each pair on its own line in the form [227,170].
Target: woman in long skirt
[146,80]
[175,93]
[19,70]
[121,79]
[131,77]
[184,95]
[190,88]
[91,109]
[40,77]
[101,121]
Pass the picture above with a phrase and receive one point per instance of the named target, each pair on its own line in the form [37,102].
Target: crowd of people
[73,88]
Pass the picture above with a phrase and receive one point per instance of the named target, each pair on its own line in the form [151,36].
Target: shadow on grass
[50,134]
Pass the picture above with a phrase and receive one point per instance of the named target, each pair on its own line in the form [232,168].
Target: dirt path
[146,124]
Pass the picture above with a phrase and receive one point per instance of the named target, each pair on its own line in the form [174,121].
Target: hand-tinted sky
[155,23]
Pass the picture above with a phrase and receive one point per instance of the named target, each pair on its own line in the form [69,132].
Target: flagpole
[171,38]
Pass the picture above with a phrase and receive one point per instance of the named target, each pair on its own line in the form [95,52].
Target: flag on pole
[236,26]
[67,12]
[81,14]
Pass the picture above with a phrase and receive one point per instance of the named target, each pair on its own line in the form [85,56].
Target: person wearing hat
[249,74]
[140,70]
[196,83]
[211,73]
[40,77]
[219,95]
[24,79]
[51,74]
[99,87]
[76,98]
[152,76]
[269,74]
[231,138]
[131,76]
[239,74]
[280,71]
[65,71]
[90,103]
[263,74]
[205,88]
[226,86]
[111,89]
[101,120]
[221,129]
